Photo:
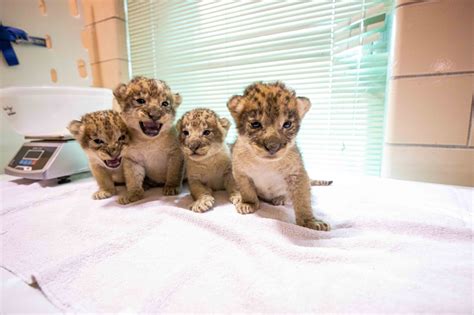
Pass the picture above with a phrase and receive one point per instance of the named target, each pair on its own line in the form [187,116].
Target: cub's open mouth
[113,163]
[150,128]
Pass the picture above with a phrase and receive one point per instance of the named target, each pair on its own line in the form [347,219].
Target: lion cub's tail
[317,182]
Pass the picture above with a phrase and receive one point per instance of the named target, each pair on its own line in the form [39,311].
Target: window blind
[333,52]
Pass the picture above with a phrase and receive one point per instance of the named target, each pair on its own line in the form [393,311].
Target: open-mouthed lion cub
[266,161]
[103,135]
[207,157]
[149,108]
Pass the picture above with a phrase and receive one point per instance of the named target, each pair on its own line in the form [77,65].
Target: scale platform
[41,114]
[47,159]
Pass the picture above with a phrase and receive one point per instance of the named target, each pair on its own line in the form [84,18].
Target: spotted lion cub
[103,135]
[149,108]
[266,161]
[207,157]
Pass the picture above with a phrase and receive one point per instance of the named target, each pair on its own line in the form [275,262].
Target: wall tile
[429,164]
[430,110]
[106,40]
[110,73]
[98,10]
[410,2]
[434,37]
[471,136]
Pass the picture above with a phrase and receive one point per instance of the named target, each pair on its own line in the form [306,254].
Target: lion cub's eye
[186,133]
[256,125]
[165,104]
[140,101]
[122,137]
[98,141]
[287,124]
[206,132]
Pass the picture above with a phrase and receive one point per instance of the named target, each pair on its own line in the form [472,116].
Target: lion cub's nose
[272,147]
[154,115]
[194,146]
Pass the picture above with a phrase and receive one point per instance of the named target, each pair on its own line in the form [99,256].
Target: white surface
[18,297]
[395,247]
[46,110]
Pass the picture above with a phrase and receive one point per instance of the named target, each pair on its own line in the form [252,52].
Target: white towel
[395,247]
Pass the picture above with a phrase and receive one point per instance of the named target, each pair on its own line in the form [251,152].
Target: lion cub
[103,135]
[149,108]
[207,157]
[266,161]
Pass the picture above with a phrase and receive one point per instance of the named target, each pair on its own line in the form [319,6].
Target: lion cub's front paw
[235,198]
[278,201]
[203,204]
[171,190]
[314,224]
[130,197]
[102,194]
[246,208]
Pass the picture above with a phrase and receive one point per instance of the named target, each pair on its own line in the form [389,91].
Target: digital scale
[42,160]
[41,115]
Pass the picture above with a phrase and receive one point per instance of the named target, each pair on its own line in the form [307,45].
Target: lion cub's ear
[235,105]
[303,104]
[120,93]
[76,128]
[177,99]
[225,123]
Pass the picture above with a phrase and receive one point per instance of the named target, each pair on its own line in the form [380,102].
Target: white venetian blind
[333,52]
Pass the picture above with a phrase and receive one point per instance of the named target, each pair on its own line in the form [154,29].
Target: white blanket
[395,247]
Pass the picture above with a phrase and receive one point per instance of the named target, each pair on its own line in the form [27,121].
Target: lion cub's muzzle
[196,149]
[113,163]
[152,126]
[272,146]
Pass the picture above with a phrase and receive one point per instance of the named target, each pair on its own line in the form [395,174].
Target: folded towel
[395,247]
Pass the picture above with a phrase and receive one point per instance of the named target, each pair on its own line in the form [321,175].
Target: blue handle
[8,35]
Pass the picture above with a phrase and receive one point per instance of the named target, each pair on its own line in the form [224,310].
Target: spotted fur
[272,105]
[103,135]
[266,161]
[207,157]
[149,109]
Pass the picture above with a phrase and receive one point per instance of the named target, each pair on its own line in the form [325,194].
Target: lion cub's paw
[171,190]
[246,208]
[235,198]
[130,197]
[102,194]
[278,201]
[314,224]
[203,204]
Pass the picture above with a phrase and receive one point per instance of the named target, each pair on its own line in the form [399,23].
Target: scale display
[42,160]
[32,158]
[33,154]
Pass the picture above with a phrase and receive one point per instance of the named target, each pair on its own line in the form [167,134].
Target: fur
[267,163]
[104,136]
[149,108]
[207,157]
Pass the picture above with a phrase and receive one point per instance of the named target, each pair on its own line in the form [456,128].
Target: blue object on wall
[10,34]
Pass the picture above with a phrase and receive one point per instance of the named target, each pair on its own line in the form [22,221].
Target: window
[333,52]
